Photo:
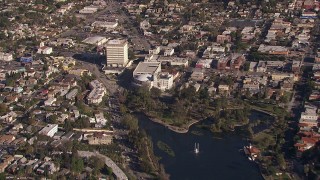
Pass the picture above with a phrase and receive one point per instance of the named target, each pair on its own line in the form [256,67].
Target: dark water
[219,158]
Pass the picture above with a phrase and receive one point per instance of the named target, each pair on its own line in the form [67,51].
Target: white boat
[196,148]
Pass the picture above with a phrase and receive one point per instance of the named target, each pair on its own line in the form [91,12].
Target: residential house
[5,162]
[197,75]
[6,56]
[100,138]
[223,89]
[49,130]
[223,39]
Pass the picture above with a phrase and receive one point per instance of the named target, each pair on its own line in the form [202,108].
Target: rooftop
[117,42]
[93,40]
[147,67]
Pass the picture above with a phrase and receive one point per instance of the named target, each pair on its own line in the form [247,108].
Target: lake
[219,157]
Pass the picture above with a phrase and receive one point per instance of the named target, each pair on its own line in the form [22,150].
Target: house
[295,66]
[45,50]
[89,10]
[105,24]
[155,50]
[100,138]
[315,95]
[50,167]
[204,63]
[306,143]
[252,86]
[251,151]
[309,118]
[72,94]
[5,162]
[100,120]
[233,61]
[169,52]
[97,92]
[50,101]
[282,76]
[262,66]
[6,56]
[6,139]
[221,39]
[286,85]
[9,117]
[186,28]
[78,72]
[145,24]
[223,89]
[49,130]
[237,60]
[273,50]
[253,66]
[197,75]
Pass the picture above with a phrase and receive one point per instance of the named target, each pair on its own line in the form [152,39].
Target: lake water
[219,158]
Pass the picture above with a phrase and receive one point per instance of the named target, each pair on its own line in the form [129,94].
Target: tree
[3,109]
[131,54]
[203,93]
[246,66]
[76,164]
[97,164]
[130,122]
[155,92]
[109,171]
[67,126]
[281,161]
[2,176]
[53,119]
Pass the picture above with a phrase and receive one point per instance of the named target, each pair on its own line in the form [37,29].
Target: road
[115,168]
[113,9]
[111,86]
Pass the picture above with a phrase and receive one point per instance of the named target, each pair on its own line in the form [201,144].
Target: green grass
[166,148]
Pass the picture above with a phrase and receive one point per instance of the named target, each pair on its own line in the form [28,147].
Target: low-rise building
[168,52]
[223,89]
[89,10]
[45,50]
[197,75]
[163,81]
[223,39]
[145,72]
[5,162]
[6,56]
[274,50]
[105,24]
[95,40]
[204,63]
[72,94]
[49,130]
[100,138]
[282,76]
[6,139]
[50,101]
[97,92]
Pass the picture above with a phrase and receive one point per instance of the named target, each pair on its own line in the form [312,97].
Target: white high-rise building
[117,53]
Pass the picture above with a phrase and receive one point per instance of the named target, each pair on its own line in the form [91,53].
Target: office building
[117,53]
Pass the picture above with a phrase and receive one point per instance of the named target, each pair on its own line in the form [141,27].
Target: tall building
[117,53]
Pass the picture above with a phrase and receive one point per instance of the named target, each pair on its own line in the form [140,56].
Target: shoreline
[180,130]
[186,128]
